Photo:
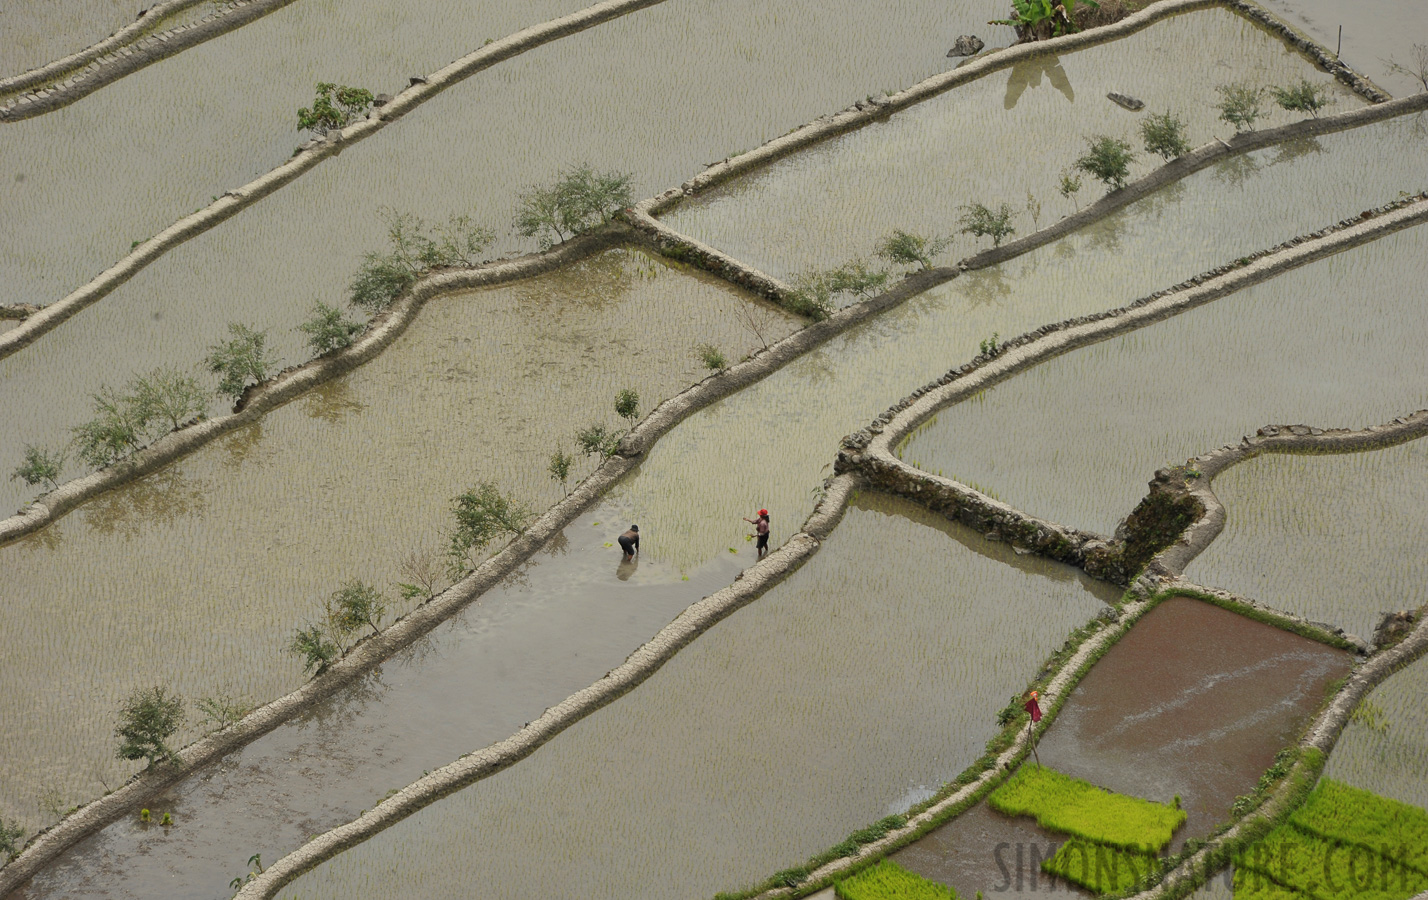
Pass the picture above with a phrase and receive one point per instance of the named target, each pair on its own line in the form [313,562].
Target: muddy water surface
[165,140]
[618,96]
[1193,701]
[195,577]
[32,34]
[565,619]
[1376,32]
[1077,438]
[822,206]
[846,693]
[1337,539]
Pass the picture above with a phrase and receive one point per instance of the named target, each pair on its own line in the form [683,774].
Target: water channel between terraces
[1194,700]
[1336,539]
[196,576]
[755,747]
[835,201]
[617,96]
[770,442]
[1172,387]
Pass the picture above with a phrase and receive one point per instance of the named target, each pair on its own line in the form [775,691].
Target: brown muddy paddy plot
[877,668]
[1193,701]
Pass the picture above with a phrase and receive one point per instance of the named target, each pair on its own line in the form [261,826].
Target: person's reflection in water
[1028,75]
[627,568]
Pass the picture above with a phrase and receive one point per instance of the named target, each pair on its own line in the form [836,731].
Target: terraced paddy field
[717,770]
[1193,702]
[819,208]
[1174,390]
[258,528]
[876,654]
[614,97]
[1289,517]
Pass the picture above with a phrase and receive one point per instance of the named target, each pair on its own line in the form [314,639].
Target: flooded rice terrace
[258,528]
[1170,388]
[872,675]
[749,749]
[615,96]
[1336,539]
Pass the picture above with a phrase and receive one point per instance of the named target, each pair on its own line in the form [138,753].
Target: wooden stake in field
[1034,710]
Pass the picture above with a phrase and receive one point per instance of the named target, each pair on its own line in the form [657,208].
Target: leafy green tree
[1040,19]
[354,605]
[10,835]
[482,515]
[148,718]
[39,466]
[1070,185]
[315,648]
[627,405]
[982,221]
[1302,97]
[905,248]
[1107,159]
[169,396]
[712,357]
[222,710]
[239,360]
[1240,105]
[335,106]
[560,463]
[597,440]
[1164,135]
[580,199]
[114,432]
[413,249]
[814,291]
[329,330]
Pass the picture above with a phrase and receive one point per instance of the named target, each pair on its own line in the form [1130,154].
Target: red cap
[763,512]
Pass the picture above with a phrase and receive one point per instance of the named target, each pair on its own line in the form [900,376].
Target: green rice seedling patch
[1254,886]
[890,881]
[1079,808]
[1350,815]
[1100,867]
[1326,869]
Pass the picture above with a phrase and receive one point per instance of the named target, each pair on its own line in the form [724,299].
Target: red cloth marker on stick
[1034,710]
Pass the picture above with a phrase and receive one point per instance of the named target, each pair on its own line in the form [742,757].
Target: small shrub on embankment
[890,881]
[1061,803]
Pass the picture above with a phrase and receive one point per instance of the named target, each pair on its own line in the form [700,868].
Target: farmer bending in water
[630,542]
[761,528]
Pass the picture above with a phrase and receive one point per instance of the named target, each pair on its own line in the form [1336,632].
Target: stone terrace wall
[870,451]
[123,53]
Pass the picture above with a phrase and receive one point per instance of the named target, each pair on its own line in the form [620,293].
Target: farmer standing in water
[630,542]
[761,528]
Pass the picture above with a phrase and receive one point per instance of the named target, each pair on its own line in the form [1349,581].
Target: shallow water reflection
[1076,438]
[846,693]
[195,576]
[988,142]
